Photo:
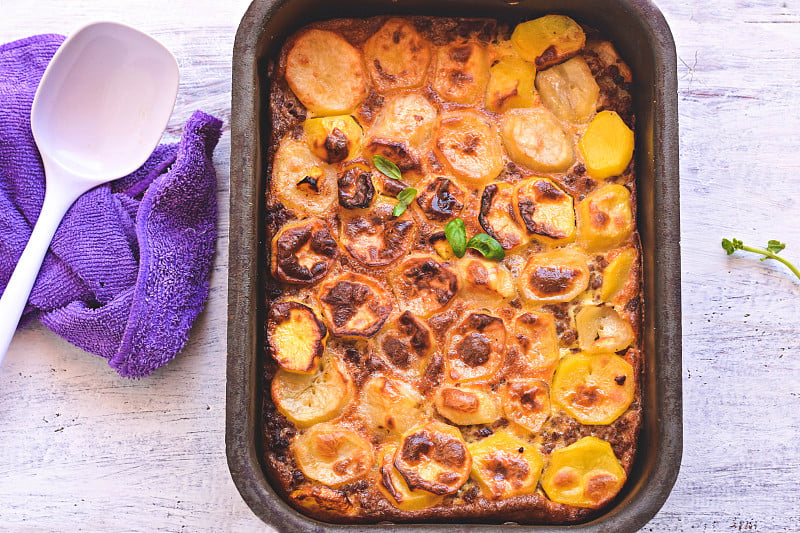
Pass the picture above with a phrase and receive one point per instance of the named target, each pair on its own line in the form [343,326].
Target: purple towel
[127,271]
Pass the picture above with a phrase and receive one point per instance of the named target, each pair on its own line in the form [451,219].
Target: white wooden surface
[82,449]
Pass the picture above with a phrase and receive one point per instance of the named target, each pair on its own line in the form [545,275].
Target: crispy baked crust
[361,501]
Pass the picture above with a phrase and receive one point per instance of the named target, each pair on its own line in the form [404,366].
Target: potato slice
[356,189]
[301,181]
[406,342]
[326,73]
[296,337]
[462,72]
[548,40]
[535,335]
[333,455]
[333,139]
[308,399]
[354,305]
[390,405]
[395,488]
[505,466]
[433,457]
[605,218]
[616,274]
[511,85]
[476,349]
[585,474]
[499,218]
[440,199]
[374,236]
[534,139]
[467,404]
[569,90]
[485,282]
[423,284]
[397,56]
[546,211]
[303,252]
[526,402]
[593,389]
[469,145]
[555,276]
[601,329]
[606,145]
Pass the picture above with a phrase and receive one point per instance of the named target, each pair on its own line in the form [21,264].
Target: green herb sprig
[404,199]
[771,252]
[456,233]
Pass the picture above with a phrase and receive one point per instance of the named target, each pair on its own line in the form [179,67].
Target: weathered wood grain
[82,449]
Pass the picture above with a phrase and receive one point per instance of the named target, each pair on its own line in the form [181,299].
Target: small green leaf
[386,167]
[775,246]
[731,246]
[486,245]
[404,199]
[456,234]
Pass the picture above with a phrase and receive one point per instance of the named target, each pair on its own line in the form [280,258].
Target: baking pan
[643,39]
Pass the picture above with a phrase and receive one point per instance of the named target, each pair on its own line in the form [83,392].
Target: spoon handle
[13,301]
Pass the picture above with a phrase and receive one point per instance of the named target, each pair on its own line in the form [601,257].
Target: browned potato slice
[616,274]
[511,85]
[406,342]
[535,335]
[546,210]
[526,402]
[569,90]
[296,337]
[423,284]
[485,282]
[605,218]
[477,347]
[505,466]
[548,40]
[499,218]
[462,72]
[303,251]
[534,139]
[354,305]
[555,276]
[470,146]
[317,498]
[375,237]
[440,199]
[433,457]
[333,139]
[390,405]
[395,488]
[467,404]
[356,189]
[601,329]
[326,73]
[333,455]
[397,56]
[301,181]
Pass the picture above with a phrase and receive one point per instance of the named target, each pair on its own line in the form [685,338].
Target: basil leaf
[404,199]
[486,245]
[456,234]
[386,167]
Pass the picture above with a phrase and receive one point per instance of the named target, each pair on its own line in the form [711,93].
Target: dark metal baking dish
[643,38]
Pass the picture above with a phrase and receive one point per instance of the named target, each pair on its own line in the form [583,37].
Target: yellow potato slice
[333,139]
[511,85]
[605,218]
[505,466]
[534,138]
[389,406]
[616,274]
[406,343]
[499,218]
[296,337]
[301,181]
[354,305]
[546,211]
[569,90]
[485,282]
[423,284]
[395,488]
[601,329]
[467,404]
[476,349]
[433,457]
[374,236]
[535,335]
[333,455]
[606,145]
[303,252]
[555,276]
[548,40]
[462,72]
[526,402]
[397,56]
[469,145]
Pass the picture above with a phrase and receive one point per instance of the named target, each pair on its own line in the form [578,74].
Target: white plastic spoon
[98,113]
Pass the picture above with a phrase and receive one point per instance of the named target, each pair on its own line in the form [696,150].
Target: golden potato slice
[423,284]
[326,73]
[296,337]
[467,404]
[511,85]
[477,347]
[395,488]
[433,457]
[318,498]
[601,329]
[333,139]
[605,218]
[469,145]
[616,274]
[441,245]
[374,236]
[534,138]
[555,276]
[333,455]
[440,199]
[402,131]
[354,305]
[546,210]
[526,402]
[308,399]
[593,389]
[406,342]
[548,40]
[397,56]
[585,474]
[390,405]
[462,72]
[485,282]
[606,145]
[356,189]
[301,181]
[499,218]
[569,90]
[535,335]
[505,466]
[303,252]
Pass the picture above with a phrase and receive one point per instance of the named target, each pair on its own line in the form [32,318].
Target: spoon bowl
[100,110]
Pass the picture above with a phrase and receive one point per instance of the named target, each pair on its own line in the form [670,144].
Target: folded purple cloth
[127,271]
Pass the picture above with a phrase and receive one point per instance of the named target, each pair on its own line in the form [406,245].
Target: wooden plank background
[83,449]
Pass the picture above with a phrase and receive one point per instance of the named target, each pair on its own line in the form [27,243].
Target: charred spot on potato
[441,200]
[356,189]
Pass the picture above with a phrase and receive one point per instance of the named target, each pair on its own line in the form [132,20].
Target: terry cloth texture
[127,271]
